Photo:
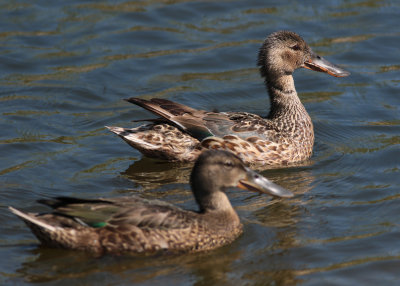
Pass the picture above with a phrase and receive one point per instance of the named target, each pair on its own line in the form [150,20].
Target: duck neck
[216,205]
[210,195]
[213,201]
[284,100]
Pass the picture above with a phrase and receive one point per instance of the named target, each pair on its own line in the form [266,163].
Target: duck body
[256,140]
[133,225]
[284,137]
[139,226]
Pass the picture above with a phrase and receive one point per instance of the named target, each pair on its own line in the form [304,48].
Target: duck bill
[257,183]
[317,63]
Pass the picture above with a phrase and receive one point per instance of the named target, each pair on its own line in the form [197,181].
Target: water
[66,66]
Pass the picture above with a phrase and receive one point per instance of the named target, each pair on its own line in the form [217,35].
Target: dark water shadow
[152,174]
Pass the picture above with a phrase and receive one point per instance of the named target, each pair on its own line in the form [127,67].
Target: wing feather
[133,211]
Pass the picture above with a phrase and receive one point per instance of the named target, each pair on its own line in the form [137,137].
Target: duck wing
[123,211]
[199,124]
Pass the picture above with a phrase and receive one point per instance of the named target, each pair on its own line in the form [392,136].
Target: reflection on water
[46,267]
[151,174]
[65,68]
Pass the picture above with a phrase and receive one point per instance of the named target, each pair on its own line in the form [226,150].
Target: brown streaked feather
[285,137]
[161,141]
[257,141]
[201,124]
[159,104]
[116,211]
[132,225]
[257,152]
[136,225]
[183,117]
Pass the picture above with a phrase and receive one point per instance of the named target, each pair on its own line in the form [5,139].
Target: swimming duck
[285,136]
[136,225]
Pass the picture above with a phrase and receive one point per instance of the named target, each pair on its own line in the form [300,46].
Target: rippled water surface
[65,67]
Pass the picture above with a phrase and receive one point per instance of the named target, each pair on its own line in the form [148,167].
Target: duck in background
[284,137]
[136,225]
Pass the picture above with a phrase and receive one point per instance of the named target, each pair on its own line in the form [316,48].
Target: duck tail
[133,137]
[156,141]
[31,220]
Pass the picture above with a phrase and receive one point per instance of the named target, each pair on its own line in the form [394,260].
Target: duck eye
[296,47]
[228,164]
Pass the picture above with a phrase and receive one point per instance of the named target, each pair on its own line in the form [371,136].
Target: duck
[284,137]
[135,225]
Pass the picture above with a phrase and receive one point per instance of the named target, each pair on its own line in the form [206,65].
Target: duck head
[283,52]
[215,171]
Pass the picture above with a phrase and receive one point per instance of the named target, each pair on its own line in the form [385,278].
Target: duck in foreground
[136,225]
[284,137]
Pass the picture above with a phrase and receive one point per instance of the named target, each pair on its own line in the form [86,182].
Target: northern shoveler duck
[136,225]
[284,137]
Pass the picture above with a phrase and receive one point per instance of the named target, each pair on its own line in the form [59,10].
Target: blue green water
[65,67]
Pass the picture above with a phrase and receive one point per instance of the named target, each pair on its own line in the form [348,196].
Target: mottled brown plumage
[136,225]
[286,136]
